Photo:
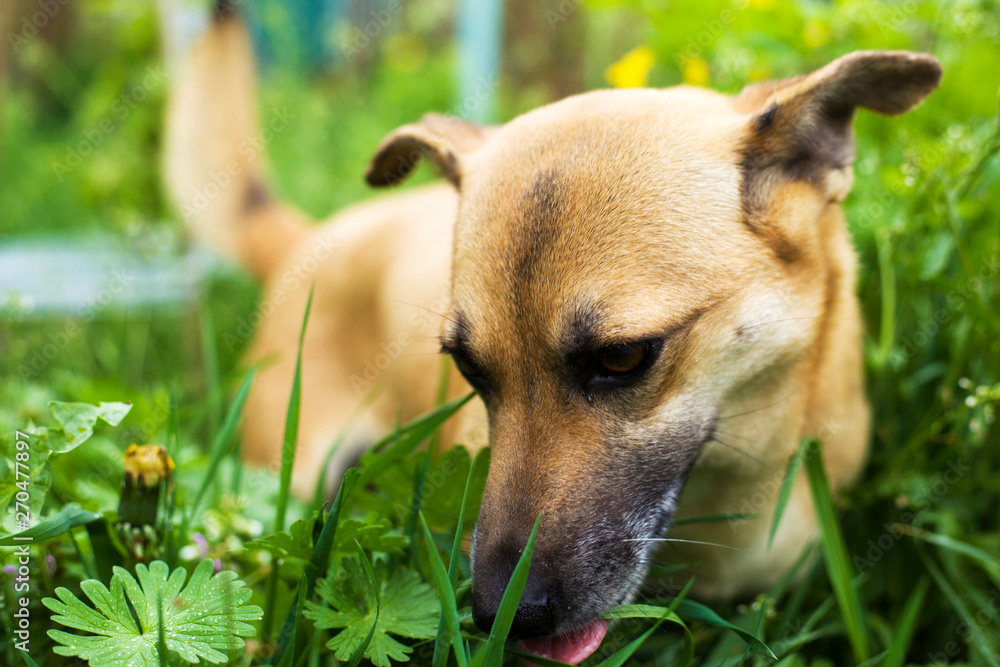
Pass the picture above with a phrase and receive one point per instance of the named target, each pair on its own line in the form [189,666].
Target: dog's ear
[444,140]
[800,128]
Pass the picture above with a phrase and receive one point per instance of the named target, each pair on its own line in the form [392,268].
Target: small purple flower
[10,569]
[218,565]
[50,560]
[201,543]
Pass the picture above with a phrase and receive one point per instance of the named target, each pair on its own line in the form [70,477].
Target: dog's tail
[214,151]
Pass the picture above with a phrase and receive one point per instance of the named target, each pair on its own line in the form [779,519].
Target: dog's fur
[705,228]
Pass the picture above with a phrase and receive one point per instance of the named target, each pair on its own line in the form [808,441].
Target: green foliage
[837,561]
[492,653]
[199,621]
[923,215]
[409,608]
[52,527]
[373,532]
[25,456]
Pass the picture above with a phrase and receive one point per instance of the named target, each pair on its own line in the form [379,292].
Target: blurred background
[83,85]
[102,297]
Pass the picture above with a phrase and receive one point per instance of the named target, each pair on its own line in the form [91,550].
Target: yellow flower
[148,464]
[816,33]
[632,69]
[695,72]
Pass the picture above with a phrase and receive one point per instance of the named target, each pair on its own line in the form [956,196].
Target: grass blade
[837,562]
[491,655]
[945,542]
[359,652]
[322,489]
[756,629]
[896,655]
[449,608]
[290,655]
[441,656]
[618,658]
[409,438]
[320,561]
[417,501]
[791,474]
[288,443]
[54,526]
[695,611]
[211,356]
[660,615]
[291,426]
[531,658]
[456,545]
[218,451]
[978,639]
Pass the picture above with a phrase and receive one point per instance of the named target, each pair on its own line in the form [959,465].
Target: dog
[651,291]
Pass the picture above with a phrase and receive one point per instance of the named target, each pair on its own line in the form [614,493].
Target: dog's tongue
[573,648]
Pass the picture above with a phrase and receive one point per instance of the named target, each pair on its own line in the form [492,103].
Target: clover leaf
[199,621]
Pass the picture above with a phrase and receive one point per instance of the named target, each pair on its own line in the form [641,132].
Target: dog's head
[620,258]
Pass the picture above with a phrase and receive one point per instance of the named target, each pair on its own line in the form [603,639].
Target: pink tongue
[573,648]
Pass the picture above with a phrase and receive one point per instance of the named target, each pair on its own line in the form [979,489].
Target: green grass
[908,572]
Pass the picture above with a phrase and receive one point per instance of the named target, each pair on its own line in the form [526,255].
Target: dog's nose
[533,617]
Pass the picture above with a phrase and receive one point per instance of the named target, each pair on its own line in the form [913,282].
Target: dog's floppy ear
[444,140]
[800,128]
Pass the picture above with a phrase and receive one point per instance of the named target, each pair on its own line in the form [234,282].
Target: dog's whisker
[414,355]
[790,319]
[429,310]
[734,435]
[737,449]
[749,412]
[677,539]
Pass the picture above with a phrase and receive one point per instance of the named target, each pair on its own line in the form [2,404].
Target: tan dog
[651,290]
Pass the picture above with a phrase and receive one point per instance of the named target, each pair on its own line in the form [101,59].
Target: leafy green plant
[76,422]
[403,605]
[129,622]
[922,212]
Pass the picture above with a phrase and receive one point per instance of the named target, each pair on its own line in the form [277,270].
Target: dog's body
[651,290]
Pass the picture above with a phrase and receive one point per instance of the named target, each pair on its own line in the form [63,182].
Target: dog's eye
[464,367]
[470,371]
[622,359]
